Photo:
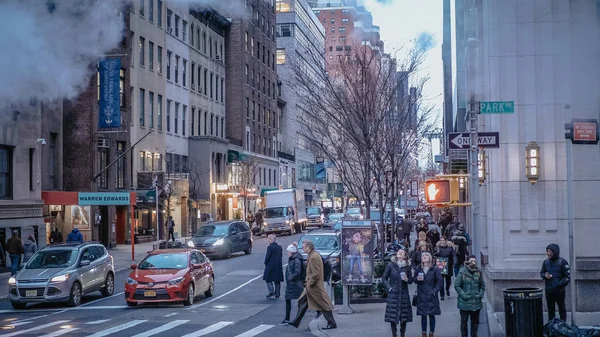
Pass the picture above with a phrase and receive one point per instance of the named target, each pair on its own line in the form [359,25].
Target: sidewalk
[368,320]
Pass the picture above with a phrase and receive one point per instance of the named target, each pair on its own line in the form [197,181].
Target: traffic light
[438,192]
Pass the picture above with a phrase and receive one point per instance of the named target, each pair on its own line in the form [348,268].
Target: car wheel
[249,250]
[190,297]
[109,285]
[132,304]
[228,250]
[18,305]
[211,287]
[75,298]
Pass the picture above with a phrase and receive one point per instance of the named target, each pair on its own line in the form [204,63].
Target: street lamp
[481,166]
[532,162]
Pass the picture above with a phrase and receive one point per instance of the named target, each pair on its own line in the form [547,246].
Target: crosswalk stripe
[98,322]
[161,328]
[40,327]
[60,332]
[258,330]
[209,329]
[118,328]
[18,323]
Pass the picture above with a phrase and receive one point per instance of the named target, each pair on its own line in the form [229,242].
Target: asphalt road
[238,308]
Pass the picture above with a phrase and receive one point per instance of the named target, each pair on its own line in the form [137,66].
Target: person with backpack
[556,274]
[295,275]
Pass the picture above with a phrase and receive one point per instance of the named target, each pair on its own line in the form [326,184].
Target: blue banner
[103,198]
[110,98]
[320,172]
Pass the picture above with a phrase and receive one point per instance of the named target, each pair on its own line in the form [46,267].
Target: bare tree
[196,173]
[244,175]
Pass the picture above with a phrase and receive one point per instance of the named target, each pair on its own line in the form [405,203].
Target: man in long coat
[314,296]
[273,274]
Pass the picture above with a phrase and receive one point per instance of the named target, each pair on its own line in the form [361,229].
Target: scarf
[401,264]
[472,267]
[425,270]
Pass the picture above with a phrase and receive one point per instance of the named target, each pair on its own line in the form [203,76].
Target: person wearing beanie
[295,273]
[429,283]
[556,274]
[30,247]
[470,288]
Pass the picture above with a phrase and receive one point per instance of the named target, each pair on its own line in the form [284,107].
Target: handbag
[414,299]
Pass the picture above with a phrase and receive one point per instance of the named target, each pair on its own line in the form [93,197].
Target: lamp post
[481,167]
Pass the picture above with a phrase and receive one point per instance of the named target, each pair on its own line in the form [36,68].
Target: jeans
[431,323]
[14,263]
[448,280]
[274,288]
[457,269]
[171,236]
[355,259]
[288,309]
[464,318]
[394,327]
[556,298]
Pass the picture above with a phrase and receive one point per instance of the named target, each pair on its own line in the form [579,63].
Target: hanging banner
[110,98]
[357,252]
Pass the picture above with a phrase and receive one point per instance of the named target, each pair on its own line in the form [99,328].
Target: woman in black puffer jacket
[294,279]
[396,278]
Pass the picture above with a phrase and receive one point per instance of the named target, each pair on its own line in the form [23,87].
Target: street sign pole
[572,261]
[474,106]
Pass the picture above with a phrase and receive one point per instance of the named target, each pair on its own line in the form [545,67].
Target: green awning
[264,190]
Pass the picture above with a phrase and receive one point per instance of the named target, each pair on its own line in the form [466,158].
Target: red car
[171,275]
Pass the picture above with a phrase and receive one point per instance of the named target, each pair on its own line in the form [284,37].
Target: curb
[314,329]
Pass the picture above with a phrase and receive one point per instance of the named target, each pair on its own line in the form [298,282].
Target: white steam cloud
[49,48]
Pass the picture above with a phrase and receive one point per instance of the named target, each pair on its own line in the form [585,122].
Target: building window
[159,112]
[169,54]
[177,18]
[280,56]
[342,39]
[122,87]
[344,20]
[332,21]
[150,55]
[342,30]
[151,101]
[184,31]
[347,48]
[212,126]
[247,107]
[253,110]
[176,68]
[142,50]
[216,87]
[6,172]
[158,162]
[159,5]
[192,34]
[199,79]
[193,116]
[258,50]
[222,89]
[252,45]
[205,123]
[246,40]
[52,166]
[205,81]
[151,11]
[169,18]
[339,48]
[169,115]
[142,7]
[247,74]
[211,85]
[285,29]
[199,124]
[184,73]
[159,59]
[142,100]
[31,168]
[193,73]
[176,119]
[333,29]
[183,113]
[120,165]
[102,163]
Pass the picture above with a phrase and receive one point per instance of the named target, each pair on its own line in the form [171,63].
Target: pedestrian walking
[407,226]
[422,237]
[75,236]
[417,254]
[273,274]
[14,247]
[460,241]
[556,274]
[171,228]
[258,223]
[55,236]
[30,247]
[429,282]
[250,218]
[434,233]
[444,251]
[314,296]
[396,278]
[422,226]
[295,275]
[470,289]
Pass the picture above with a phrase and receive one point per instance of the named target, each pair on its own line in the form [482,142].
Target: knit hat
[292,249]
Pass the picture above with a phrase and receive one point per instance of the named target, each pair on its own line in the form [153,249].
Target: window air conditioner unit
[169,30]
[103,143]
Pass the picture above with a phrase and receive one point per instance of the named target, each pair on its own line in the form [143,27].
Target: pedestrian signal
[437,191]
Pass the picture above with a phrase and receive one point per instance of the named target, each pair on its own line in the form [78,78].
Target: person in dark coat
[273,274]
[556,274]
[445,249]
[75,236]
[294,283]
[55,236]
[396,278]
[418,252]
[429,282]
[460,241]
[470,289]
[14,247]
[30,247]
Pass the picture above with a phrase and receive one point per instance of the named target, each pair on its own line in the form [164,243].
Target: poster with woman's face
[80,217]
[357,255]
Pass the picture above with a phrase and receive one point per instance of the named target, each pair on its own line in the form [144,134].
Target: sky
[403,20]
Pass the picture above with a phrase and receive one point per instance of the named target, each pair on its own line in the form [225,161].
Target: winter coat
[415,258]
[434,234]
[428,290]
[398,308]
[447,252]
[29,248]
[315,284]
[558,268]
[429,245]
[470,288]
[56,237]
[75,236]
[460,246]
[14,245]
[294,283]
[273,265]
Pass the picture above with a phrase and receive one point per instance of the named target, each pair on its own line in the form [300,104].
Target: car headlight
[12,281]
[219,242]
[265,224]
[334,261]
[191,244]
[60,278]
[130,281]
[287,222]
[176,281]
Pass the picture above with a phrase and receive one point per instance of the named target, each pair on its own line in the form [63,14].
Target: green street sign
[497,107]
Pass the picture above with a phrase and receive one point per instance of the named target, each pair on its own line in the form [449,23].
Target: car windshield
[313,210]
[338,225]
[335,216]
[375,215]
[275,212]
[213,230]
[53,258]
[321,242]
[165,261]
[353,211]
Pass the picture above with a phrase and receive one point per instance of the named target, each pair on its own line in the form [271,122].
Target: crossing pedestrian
[470,288]
[295,275]
[429,282]
[556,275]
[396,278]
[314,296]
[273,273]
[14,246]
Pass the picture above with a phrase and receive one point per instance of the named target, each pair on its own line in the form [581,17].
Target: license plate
[202,250]
[149,293]
[31,293]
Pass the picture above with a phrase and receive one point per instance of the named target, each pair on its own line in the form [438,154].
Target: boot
[424,334]
[431,334]
[402,334]
[331,324]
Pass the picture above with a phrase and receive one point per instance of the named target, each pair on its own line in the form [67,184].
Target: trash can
[523,312]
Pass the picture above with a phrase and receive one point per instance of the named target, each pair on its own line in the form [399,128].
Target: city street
[239,308]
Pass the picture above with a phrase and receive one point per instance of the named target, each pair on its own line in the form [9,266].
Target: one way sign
[462,140]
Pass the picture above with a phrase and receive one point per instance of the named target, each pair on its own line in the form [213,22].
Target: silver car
[63,273]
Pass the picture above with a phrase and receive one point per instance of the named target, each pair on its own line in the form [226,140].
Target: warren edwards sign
[103,198]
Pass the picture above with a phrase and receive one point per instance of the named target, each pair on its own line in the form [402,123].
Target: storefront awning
[89,198]
[264,190]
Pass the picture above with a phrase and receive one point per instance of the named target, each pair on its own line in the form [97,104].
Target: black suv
[223,238]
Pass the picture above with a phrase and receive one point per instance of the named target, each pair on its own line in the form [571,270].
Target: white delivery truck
[285,211]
